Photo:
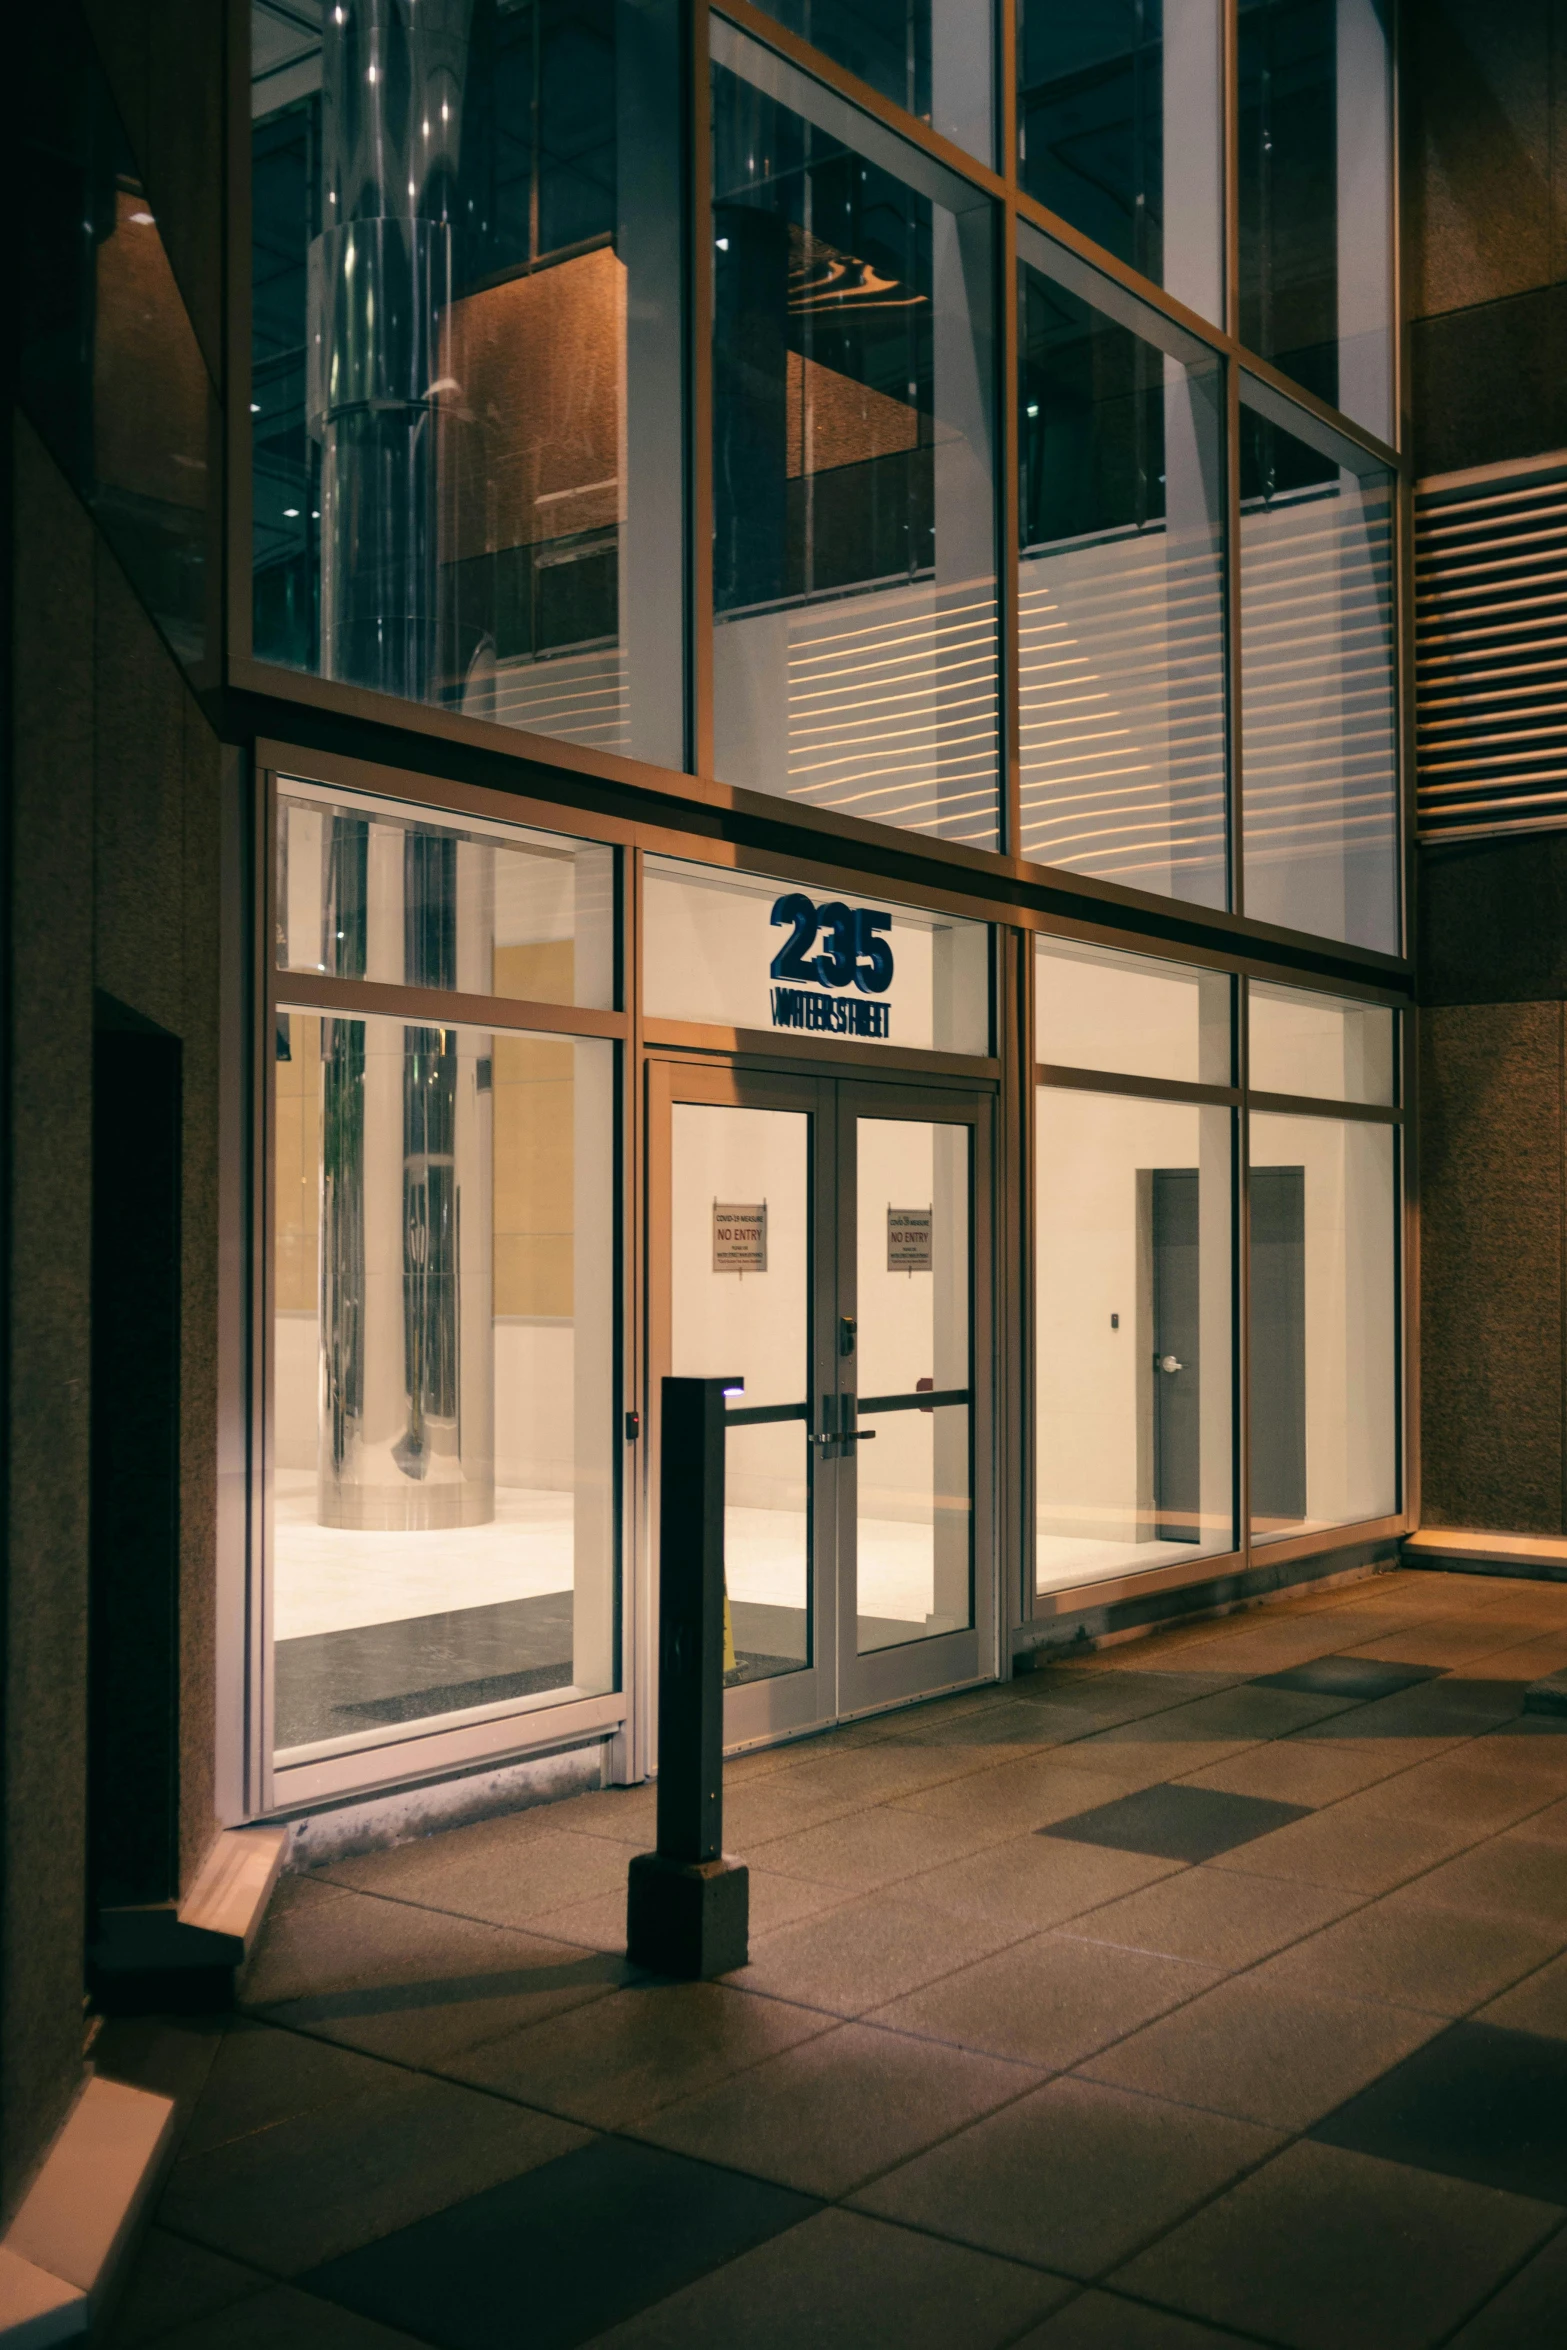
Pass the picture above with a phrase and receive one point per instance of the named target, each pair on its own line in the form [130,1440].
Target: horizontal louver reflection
[1317,681]
[580,697]
[891,704]
[1491,652]
[1120,676]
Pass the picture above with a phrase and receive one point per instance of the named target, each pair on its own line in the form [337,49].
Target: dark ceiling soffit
[747,820]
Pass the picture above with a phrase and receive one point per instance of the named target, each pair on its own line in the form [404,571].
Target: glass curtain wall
[854,589]
[467,400]
[1319,718]
[1316,198]
[474,393]
[1121,132]
[931,57]
[1121,631]
[442,1322]
[1134,1454]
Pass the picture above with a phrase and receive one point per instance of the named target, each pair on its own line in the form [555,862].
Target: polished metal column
[380,284]
[407,1353]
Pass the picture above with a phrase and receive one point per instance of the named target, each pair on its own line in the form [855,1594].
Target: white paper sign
[909,1240]
[739,1236]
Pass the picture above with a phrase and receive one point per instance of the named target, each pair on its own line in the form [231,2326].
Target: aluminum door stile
[923,1667]
[757,1712]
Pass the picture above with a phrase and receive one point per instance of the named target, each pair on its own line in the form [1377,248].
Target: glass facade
[452,206]
[854,592]
[662,389]
[449,203]
[443,1316]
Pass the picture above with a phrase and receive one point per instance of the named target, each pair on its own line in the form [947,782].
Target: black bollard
[687,1908]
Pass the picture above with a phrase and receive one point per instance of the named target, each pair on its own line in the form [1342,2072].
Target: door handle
[1168,1363]
[860,1436]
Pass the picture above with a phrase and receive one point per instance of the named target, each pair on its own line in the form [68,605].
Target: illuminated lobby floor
[1205,1992]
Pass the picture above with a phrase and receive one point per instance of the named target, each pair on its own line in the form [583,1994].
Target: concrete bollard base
[687,1918]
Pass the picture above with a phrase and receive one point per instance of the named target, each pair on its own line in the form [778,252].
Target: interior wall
[115,876]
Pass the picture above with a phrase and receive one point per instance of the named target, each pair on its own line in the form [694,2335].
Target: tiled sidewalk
[1211,1990]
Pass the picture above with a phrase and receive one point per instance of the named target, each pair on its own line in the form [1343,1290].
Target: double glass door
[821,1239]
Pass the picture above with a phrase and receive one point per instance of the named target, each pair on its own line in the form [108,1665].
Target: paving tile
[1178,1822]
[1104,2321]
[1130,1754]
[321,2183]
[1252,1710]
[283,2318]
[760,1810]
[1446,1961]
[877,1847]
[1410,2254]
[1476,2103]
[846,2282]
[261,2075]
[174,2283]
[831,2113]
[1527,2310]
[1547,1822]
[994,1733]
[1356,1677]
[1215,1916]
[1276,2058]
[1441,1712]
[873,1773]
[1537,2004]
[414,1984]
[867,1951]
[1034,1881]
[1290,1770]
[1347,1849]
[619,2059]
[1016,1795]
[489,1871]
[1049,2001]
[1108,1694]
[1511,1876]
[627,1815]
[1454,1790]
[557,2256]
[1073,2178]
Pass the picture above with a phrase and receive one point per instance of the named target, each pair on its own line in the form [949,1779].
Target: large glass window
[370,888]
[854,658]
[466,400]
[442,1518]
[931,57]
[1316,198]
[1134,1461]
[1319,760]
[1120,131]
[1098,1009]
[1305,1043]
[1324,1336]
[1121,642]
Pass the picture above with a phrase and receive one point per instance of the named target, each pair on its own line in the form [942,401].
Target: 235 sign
[853,954]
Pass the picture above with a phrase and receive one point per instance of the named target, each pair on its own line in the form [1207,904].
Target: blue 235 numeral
[855,954]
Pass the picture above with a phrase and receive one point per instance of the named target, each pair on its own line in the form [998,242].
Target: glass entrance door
[821,1239]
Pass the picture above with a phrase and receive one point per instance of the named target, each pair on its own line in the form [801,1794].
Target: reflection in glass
[450,202]
[741,1307]
[443,1520]
[854,548]
[1324,1347]
[1120,131]
[931,57]
[1316,198]
[1303,1043]
[913,1476]
[1097,1009]
[1120,605]
[1319,739]
[710,939]
[1133,1336]
[375,889]
[108,368]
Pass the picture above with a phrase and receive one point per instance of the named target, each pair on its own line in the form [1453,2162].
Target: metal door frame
[837,1684]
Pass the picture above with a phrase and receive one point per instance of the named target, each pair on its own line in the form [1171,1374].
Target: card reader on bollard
[687,1908]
